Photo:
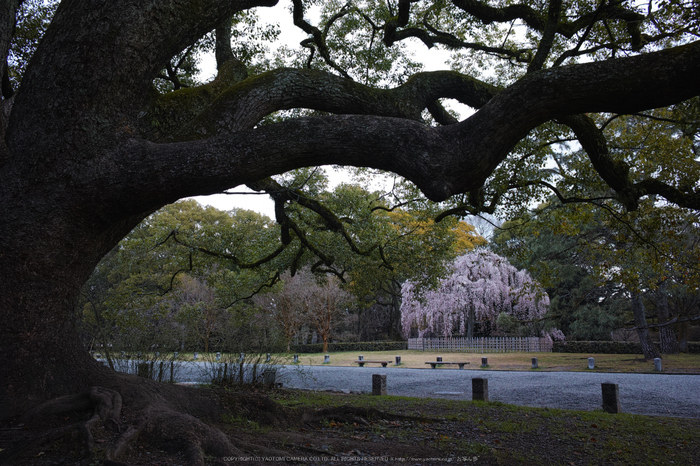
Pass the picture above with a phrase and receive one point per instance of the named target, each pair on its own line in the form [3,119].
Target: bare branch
[318,37]
[281,195]
[174,235]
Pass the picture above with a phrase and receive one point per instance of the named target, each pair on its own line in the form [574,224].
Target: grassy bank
[496,433]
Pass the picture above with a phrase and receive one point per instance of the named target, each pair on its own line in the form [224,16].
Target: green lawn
[679,363]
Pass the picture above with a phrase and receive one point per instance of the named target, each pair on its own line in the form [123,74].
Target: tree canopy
[101,125]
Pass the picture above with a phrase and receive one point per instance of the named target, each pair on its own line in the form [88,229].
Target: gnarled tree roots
[94,429]
[99,415]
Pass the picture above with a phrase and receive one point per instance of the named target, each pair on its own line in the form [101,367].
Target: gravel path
[654,394]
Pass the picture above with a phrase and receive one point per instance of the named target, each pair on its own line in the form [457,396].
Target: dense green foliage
[608,347]
[184,278]
[352,346]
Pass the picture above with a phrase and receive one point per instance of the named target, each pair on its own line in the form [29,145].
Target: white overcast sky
[291,35]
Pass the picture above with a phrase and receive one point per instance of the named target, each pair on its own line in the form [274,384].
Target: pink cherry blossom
[482,283]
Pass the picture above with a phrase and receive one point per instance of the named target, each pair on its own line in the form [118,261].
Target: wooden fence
[482,345]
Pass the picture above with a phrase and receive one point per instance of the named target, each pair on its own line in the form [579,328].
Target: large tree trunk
[46,253]
[640,321]
[470,322]
[668,341]
[683,332]
[394,324]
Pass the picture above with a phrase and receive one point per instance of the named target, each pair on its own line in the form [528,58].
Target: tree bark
[470,322]
[668,341]
[394,321]
[640,320]
[683,337]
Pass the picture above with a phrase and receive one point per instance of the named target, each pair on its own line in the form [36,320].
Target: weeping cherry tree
[482,285]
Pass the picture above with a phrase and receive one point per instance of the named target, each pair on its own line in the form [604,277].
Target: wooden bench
[435,364]
[363,362]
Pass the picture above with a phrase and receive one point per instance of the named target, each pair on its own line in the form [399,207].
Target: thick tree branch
[689,198]
[440,113]
[124,59]
[488,14]
[441,161]
[222,44]
[400,20]
[244,105]
[393,34]
[8,17]
[616,173]
[548,35]
[230,68]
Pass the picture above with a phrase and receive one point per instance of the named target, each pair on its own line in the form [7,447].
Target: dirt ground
[297,427]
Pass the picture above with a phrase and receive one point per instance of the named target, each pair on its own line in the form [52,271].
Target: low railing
[482,344]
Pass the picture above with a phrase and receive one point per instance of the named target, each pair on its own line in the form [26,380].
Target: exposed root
[107,405]
[60,405]
[121,445]
[155,417]
[174,431]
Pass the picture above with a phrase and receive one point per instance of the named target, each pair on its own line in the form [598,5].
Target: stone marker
[439,359]
[484,362]
[175,355]
[398,360]
[378,384]
[480,389]
[657,364]
[270,377]
[143,369]
[611,398]
[218,355]
[241,358]
[326,359]
[268,357]
[296,359]
[194,357]
[534,363]
[591,363]
[360,358]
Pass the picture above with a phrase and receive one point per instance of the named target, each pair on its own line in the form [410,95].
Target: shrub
[608,347]
[353,346]
[597,347]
